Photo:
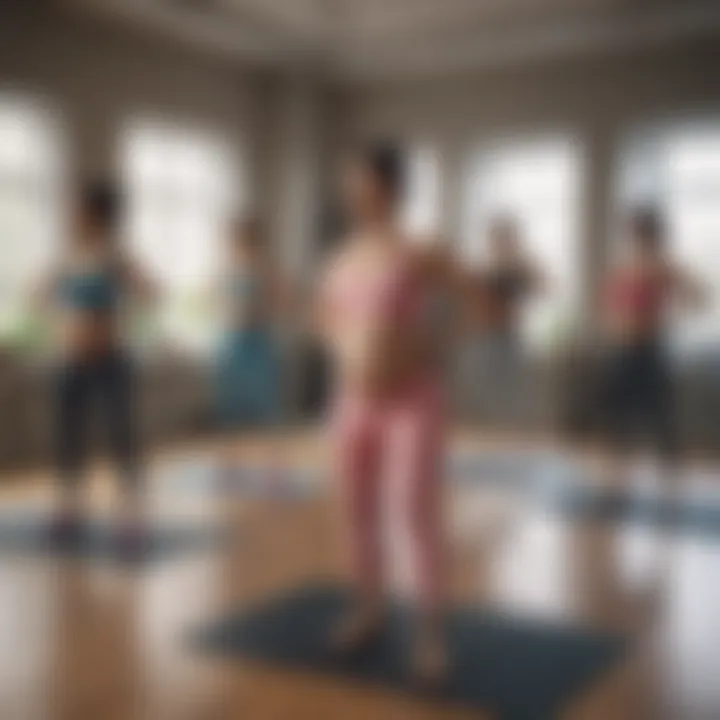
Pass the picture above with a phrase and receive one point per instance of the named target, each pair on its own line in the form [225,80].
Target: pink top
[387,298]
[638,296]
[371,312]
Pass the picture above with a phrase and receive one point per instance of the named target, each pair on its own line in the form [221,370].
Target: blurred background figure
[89,288]
[492,374]
[639,293]
[250,383]
[447,297]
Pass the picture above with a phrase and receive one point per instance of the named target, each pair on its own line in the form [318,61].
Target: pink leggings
[397,440]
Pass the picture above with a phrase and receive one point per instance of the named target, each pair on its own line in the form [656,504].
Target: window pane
[31,174]
[182,190]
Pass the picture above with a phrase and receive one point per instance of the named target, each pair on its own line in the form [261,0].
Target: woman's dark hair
[647,227]
[101,203]
[386,161]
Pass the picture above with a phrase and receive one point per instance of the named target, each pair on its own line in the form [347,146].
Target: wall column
[601,148]
[298,154]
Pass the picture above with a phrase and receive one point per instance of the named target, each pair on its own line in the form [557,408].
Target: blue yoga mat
[684,513]
[27,532]
[558,484]
[518,669]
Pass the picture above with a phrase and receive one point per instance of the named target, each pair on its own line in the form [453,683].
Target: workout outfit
[248,364]
[637,386]
[396,436]
[105,376]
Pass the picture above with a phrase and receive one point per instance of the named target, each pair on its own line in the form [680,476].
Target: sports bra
[391,295]
[637,295]
[92,290]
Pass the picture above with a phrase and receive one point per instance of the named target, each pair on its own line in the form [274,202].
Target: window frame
[234,163]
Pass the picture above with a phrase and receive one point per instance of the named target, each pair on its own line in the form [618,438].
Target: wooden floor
[85,640]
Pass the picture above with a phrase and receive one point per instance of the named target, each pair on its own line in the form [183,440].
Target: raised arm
[140,284]
[689,290]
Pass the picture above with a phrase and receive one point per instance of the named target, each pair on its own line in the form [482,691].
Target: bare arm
[140,284]
[691,292]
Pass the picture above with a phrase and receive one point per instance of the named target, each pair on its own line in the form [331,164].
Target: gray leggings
[491,379]
[106,381]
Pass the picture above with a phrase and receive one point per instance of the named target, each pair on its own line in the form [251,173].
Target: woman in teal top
[88,289]
[249,373]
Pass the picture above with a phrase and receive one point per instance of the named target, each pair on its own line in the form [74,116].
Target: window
[538,183]
[421,206]
[182,189]
[678,170]
[31,207]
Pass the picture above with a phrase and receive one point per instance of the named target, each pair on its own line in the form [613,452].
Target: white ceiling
[392,19]
[360,39]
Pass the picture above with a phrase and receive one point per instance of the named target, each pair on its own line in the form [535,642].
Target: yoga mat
[30,532]
[687,512]
[558,484]
[517,668]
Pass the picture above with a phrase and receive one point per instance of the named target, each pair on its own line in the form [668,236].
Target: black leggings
[108,381]
[638,397]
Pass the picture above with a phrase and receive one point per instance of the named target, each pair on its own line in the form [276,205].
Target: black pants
[106,382]
[638,397]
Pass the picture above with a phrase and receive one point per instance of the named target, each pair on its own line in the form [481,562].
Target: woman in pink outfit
[377,315]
